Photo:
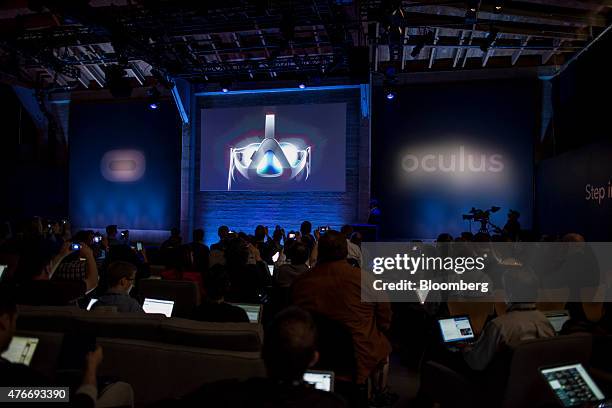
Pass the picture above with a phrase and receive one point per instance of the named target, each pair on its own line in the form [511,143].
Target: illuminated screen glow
[279,148]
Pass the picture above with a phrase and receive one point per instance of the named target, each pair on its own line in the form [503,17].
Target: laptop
[321,380]
[457,328]
[91,303]
[253,311]
[158,306]
[573,386]
[21,350]
[2,269]
[557,318]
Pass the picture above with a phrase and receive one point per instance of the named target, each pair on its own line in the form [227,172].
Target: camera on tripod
[483,217]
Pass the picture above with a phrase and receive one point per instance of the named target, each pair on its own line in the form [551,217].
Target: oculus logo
[458,161]
[123,166]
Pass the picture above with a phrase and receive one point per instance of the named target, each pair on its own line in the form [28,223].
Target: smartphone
[97,239]
[139,246]
[291,235]
[75,246]
[323,229]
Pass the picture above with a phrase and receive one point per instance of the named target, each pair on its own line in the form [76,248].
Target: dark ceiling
[81,44]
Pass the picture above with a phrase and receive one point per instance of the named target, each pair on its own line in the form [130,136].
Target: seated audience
[215,308]
[306,234]
[174,241]
[120,276]
[223,231]
[298,255]
[289,350]
[354,252]
[19,375]
[79,265]
[200,252]
[34,273]
[111,235]
[521,322]
[333,289]
[248,273]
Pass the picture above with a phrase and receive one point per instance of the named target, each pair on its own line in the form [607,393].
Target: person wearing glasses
[121,276]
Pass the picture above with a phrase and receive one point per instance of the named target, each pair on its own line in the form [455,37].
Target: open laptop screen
[21,350]
[322,380]
[456,328]
[158,306]
[572,385]
[557,319]
[252,311]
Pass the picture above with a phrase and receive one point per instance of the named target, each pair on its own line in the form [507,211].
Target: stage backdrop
[327,121]
[439,149]
[574,193]
[124,165]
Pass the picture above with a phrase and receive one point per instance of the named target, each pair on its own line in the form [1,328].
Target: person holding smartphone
[80,264]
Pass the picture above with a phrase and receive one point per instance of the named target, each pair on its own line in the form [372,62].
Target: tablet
[572,385]
[321,380]
[457,328]
[158,306]
[21,350]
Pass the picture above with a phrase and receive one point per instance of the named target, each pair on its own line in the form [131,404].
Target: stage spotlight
[390,94]
[302,85]
[226,85]
[153,96]
[499,6]
[471,14]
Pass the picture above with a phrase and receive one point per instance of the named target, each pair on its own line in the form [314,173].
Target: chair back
[525,386]
[592,303]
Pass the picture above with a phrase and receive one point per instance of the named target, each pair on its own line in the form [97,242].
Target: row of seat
[138,326]
[156,370]
[513,380]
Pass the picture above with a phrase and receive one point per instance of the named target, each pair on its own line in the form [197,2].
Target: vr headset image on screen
[274,148]
[270,159]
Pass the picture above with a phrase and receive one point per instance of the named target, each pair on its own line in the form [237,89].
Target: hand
[85,251]
[94,358]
